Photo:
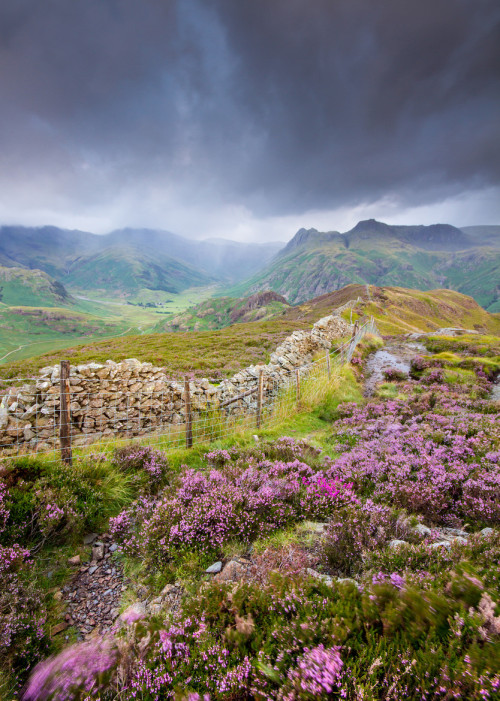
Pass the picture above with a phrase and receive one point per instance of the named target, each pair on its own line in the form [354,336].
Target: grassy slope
[33,288]
[398,310]
[30,331]
[222,352]
[206,353]
[39,329]
[219,312]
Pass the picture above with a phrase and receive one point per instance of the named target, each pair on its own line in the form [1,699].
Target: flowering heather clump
[360,528]
[221,457]
[207,510]
[146,461]
[435,461]
[288,449]
[393,375]
[418,365]
[22,615]
[433,377]
[79,671]
[316,674]
[185,661]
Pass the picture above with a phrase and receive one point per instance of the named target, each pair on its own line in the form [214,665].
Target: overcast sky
[249,119]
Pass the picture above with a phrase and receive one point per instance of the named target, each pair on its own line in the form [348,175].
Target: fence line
[64,426]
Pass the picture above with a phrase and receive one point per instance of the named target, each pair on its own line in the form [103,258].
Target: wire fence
[76,420]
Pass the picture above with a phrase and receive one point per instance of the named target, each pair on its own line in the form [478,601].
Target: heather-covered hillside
[351,551]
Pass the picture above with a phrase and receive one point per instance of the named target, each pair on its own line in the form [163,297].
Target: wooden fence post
[260,393]
[189,417]
[328,365]
[64,415]
[355,330]
[297,379]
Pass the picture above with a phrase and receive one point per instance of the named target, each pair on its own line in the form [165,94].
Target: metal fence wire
[74,420]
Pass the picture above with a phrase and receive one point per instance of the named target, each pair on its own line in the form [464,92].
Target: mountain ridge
[372,252]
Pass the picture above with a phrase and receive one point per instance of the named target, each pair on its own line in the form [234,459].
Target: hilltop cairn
[133,398]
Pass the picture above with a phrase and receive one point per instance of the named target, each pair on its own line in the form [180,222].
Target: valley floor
[351,553]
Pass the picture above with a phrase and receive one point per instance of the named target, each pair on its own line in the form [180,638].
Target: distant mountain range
[128,262]
[418,257]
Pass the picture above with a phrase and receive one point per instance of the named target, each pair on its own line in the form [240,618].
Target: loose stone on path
[94,594]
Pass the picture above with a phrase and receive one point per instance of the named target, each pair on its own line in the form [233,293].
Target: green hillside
[202,353]
[125,272]
[32,288]
[439,256]
[219,312]
[130,262]
[398,310]
[27,331]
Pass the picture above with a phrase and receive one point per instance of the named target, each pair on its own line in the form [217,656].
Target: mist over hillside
[126,260]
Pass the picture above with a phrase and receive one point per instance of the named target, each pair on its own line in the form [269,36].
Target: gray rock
[234,571]
[460,539]
[88,539]
[348,580]
[441,544]
[324,577]
[423,530]
[132,614]
[397,543]
[455,532]
[486,532]
[215,568]
[98,552]
[4,414]
[92,569]
[113,548]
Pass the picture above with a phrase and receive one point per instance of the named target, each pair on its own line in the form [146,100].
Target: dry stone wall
[133,398]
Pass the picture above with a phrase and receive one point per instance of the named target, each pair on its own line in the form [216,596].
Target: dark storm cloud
[278,105]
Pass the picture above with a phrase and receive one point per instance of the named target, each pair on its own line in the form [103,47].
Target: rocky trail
[93,595]
[495,392]
[395,355]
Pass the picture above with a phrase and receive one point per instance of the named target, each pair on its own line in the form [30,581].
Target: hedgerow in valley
[369,568]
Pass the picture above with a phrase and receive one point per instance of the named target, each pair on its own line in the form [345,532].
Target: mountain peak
[371,226]
[309,237]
